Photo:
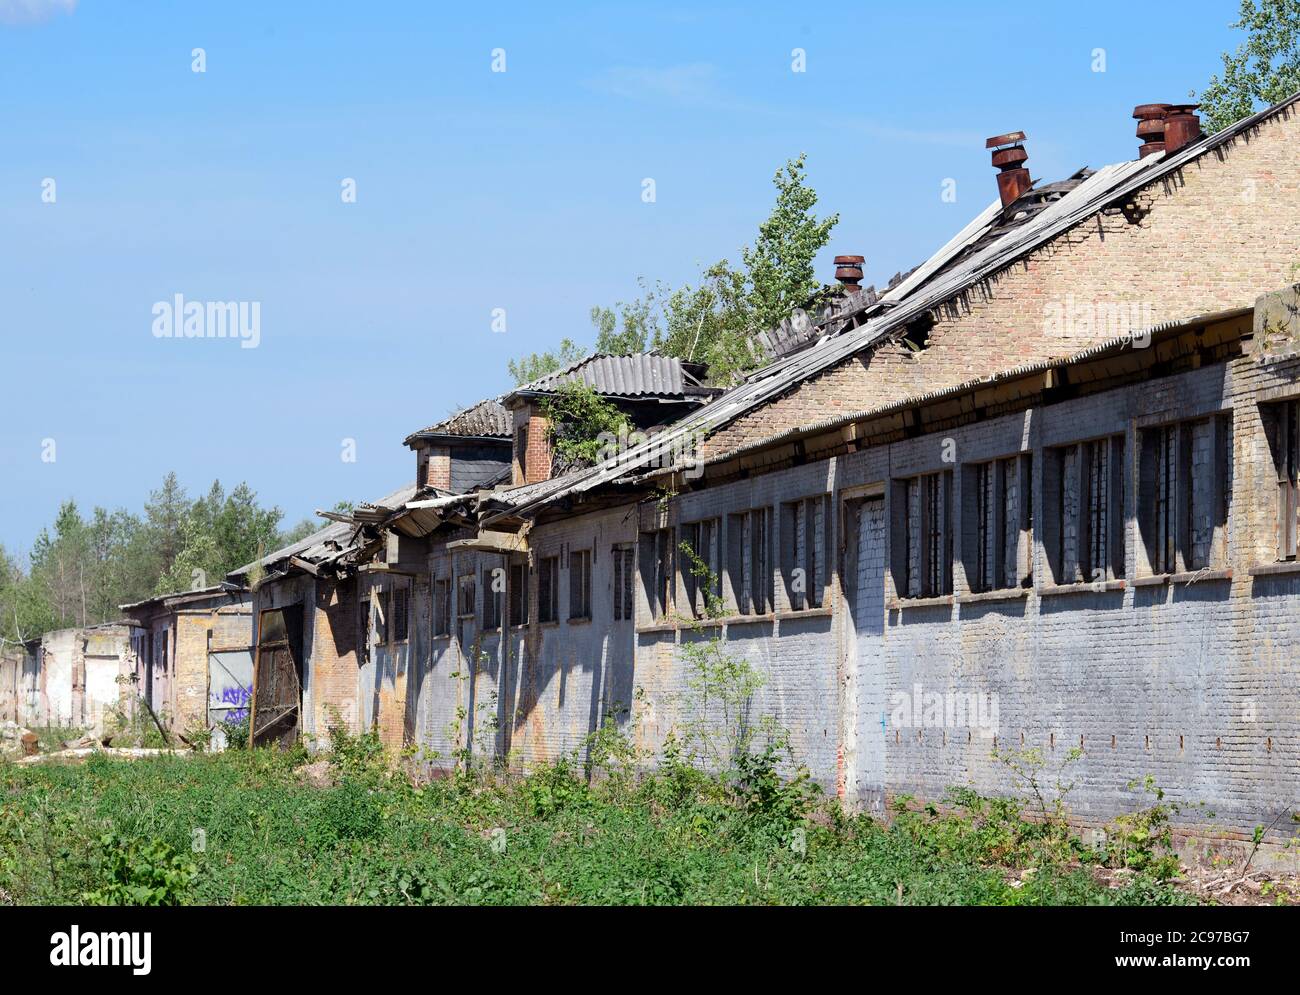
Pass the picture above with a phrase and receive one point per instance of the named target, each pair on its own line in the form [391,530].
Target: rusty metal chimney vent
[1009,156]
[1181,126]
[1151,128]
[848,270]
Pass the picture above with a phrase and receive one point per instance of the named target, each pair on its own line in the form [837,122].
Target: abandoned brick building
[193,658]
[1042,492]
[68,677]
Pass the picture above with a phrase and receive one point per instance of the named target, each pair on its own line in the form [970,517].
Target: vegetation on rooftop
[582,424]
[716,319]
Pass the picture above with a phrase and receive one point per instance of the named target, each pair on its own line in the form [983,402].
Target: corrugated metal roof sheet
[486,419]
[640,374]
[853,327]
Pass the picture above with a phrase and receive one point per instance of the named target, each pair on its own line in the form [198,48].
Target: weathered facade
[18,682]
[312,651]
[1040,493]
[73,678]
[193,653]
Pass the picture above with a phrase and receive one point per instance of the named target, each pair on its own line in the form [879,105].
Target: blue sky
[475,190]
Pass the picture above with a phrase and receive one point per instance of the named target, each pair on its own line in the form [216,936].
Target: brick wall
[1194,683]
[532,455]
[438,472]
[190,677]
[333,677]
[536,691]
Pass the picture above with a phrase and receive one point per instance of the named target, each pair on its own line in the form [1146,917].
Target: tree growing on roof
[715,319]
[1264,70]
[579,417]
[779,268]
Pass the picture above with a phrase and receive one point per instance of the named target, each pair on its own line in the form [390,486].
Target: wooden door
[277,679]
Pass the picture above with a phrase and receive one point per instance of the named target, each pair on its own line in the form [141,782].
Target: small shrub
[1144,840]
[764,794]
[554,788]
[140,872]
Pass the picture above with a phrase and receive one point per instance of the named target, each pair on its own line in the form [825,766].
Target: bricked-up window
[492,598]
[805,550]
[622,557]
[1282,426]
[1083,514]
[658,557]
[442,607]
[519,593]
[997,524]
[1184,483]
[701,578]
[749,561]
[465,595]
[921,535]
[401,613]
[579,583]
[548,589]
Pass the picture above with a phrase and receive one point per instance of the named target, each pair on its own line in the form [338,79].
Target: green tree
[716,319]
[25,611]
[779,268]
[628,328]
[582,424]
[59,566]
[165,511]
[1263,71]
[219,533]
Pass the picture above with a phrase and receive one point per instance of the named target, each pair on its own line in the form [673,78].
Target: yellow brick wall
[334,657]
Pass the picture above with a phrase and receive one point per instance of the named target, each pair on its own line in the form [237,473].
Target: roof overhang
[491,541]
[421,439]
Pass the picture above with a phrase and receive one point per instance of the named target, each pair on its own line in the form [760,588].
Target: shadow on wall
[977,611]
[1082,601]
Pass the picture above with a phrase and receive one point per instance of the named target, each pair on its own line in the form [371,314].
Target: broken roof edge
[493,414]
[1162,330]
[1116,182]
[344,535]
[183,597]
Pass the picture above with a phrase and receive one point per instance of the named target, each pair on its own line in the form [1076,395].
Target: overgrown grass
[242,828]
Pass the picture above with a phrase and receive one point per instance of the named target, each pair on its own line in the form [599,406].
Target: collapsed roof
[337,544]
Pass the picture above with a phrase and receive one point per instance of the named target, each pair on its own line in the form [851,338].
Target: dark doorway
[277,679]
